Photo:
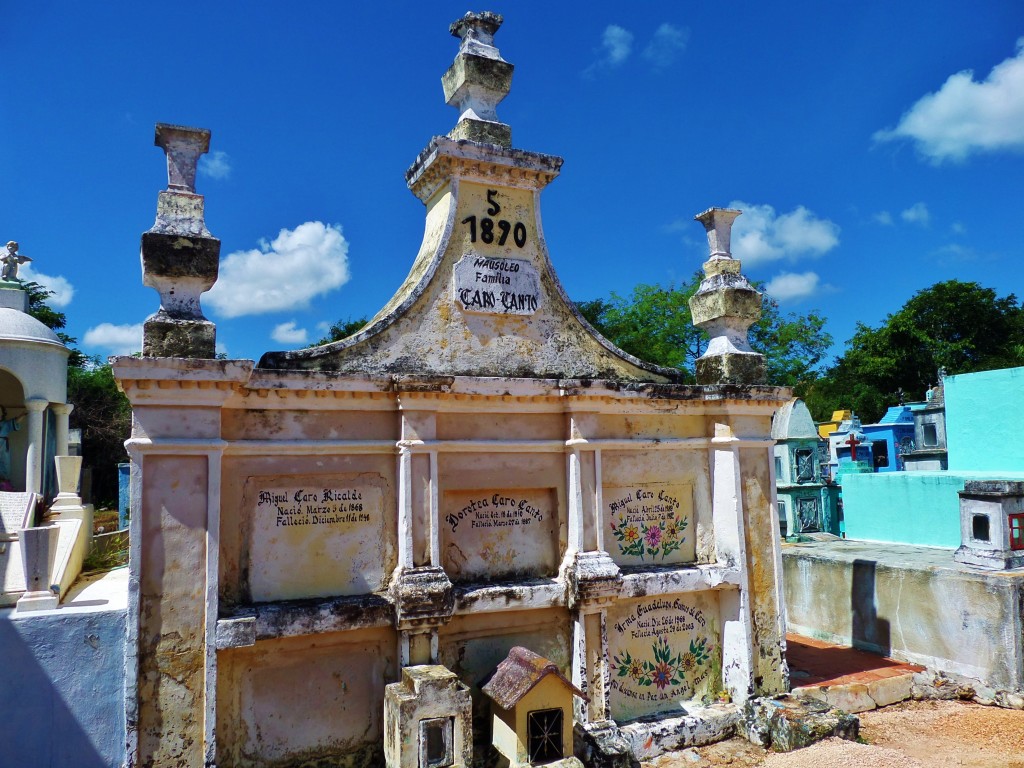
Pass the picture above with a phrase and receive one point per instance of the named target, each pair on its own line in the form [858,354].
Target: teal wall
[908,507]
[985,421]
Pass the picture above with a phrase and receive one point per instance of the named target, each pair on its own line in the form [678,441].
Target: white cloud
[965,116]
[788,286]
[119,339]
[288,333]
[63,290]
[222,349]
[917,214]
[668,42]
[760,235]
[216,165]
[616,45]
[282,275]
[884,218]
[958,228]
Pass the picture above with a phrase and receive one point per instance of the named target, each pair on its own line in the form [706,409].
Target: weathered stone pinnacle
[180,258]
[725,306]
[478,80]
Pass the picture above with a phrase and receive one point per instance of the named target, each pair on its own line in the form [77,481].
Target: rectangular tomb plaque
[500,534]
[663,651]
[316,536]
[496,286]
[15,513]
[650,524]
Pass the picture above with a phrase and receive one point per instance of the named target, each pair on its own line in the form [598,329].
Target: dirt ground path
[921,734]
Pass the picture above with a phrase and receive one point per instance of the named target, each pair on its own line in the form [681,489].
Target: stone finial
[183,146]
[725,306]
[180,258]
[718,223]
[478,80]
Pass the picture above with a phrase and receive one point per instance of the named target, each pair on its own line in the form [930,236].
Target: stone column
[180,259]
[63,411]
[34,455]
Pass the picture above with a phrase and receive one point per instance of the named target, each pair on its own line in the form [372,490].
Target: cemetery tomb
[474,471]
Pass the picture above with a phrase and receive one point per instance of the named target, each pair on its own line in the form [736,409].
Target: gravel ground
[917,734]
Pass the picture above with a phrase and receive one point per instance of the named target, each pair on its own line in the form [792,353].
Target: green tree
[959,326]
[341,330]
[654,323]
[104,415]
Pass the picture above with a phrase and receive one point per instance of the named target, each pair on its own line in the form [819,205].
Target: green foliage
[51,318]
[955,325]
[104,415]
[654,323]
[342,330]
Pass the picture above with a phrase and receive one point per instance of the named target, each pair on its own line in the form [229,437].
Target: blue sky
[876,148]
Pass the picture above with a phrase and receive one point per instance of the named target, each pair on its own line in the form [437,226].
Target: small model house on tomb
[532,706]
[992,524]
[364,531]
[806,502]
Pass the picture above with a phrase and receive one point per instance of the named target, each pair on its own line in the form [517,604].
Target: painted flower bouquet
[658,540]
[667,667]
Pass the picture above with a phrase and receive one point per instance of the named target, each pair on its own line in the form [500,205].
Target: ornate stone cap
[183,146]
[445,157]
[476,30]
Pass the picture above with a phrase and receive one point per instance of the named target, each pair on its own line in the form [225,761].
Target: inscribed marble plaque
[650,524]
[663,651]
[316,536]
[496,286]
[500,534]
[15,513]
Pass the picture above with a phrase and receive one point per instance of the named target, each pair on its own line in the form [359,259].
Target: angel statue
[12,261]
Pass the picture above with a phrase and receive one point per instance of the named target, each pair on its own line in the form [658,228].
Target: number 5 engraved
[494,208]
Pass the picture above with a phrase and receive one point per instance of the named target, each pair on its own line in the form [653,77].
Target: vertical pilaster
[730,544]
[34,454]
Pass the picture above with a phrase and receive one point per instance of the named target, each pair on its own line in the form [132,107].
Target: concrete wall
[912,603]
[984,421]
[62,678]
[909,507]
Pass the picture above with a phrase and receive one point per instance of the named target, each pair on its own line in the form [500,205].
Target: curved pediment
[482,298]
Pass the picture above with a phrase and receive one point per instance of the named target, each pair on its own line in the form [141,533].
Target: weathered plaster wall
[293,701]
[62,679]
[912,603]
[271,610]
[984,422]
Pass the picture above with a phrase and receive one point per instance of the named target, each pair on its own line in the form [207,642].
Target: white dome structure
[33,395]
